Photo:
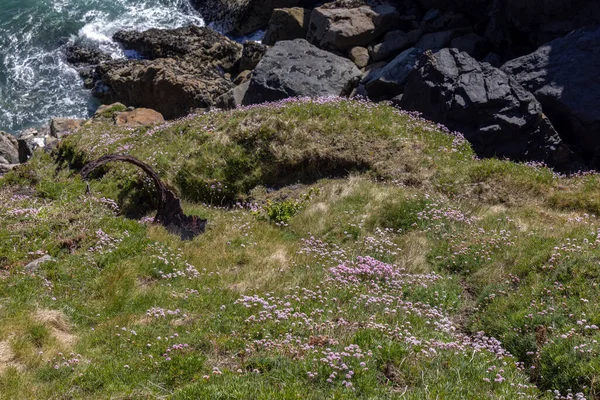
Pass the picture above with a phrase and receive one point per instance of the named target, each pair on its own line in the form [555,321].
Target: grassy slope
[259,306]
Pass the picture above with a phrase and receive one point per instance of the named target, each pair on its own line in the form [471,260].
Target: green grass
[253,308]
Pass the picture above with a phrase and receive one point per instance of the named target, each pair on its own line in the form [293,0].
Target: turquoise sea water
[36,83]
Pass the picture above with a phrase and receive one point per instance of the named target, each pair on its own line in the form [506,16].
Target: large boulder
[196,45]
[172,87]
[389,81]
[241,17]
[287,24]
[9,149]
[297,68]
[564,76]
[494,112]
[335,26]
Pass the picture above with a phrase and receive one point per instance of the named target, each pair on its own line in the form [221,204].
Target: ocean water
[36,83]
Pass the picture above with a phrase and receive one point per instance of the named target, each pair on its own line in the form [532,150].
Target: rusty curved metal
[170,213]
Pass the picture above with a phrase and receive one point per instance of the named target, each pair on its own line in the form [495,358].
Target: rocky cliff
[522,82]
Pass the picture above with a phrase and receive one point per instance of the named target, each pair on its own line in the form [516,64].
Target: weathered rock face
[389,81]
[338,28]
[287,24]
[172,87]
[9,149]
[297,68]
[496,114]
[564,76]
[197,45]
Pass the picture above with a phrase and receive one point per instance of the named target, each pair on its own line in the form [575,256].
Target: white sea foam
[36,83]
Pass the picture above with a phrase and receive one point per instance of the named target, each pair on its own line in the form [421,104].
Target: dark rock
[517,27]
[432,14]
[251,55]
[436,41]
[287,24]
[196,45]
[337,28]
[541,21]
[446,21]
[472,44]
[172,87]
[79,56]
[393,43]
[389,81]
[297,68]
[494,112]
[564,76]
[494,59]
[374,66]
[9,148]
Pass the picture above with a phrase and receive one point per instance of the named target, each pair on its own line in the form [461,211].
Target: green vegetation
[352,251]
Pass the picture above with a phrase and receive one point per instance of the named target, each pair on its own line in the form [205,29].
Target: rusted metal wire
[169,214]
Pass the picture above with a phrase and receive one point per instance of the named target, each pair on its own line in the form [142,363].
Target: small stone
[35,265]
[360,56]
